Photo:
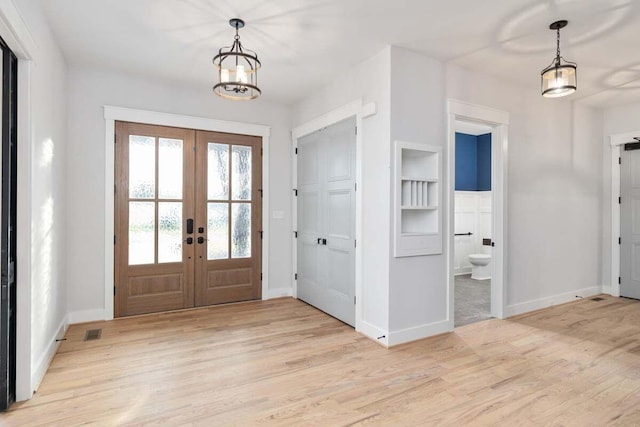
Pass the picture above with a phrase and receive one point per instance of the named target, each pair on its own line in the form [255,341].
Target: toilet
[480,268]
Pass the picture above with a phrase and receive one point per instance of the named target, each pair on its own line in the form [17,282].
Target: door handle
[324,242]
[319,240]
[190,226]
[189,240]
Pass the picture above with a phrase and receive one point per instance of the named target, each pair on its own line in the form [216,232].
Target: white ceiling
[303,44]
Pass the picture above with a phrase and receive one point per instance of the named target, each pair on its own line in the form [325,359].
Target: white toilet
[480,268]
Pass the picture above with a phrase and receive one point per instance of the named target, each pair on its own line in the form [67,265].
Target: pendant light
[237,69]
[560,78]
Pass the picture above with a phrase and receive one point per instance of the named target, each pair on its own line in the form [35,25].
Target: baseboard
[279,293]
[419,332]
[607,290]
[45,359]
[371,331]
[462,272]
[84,316]
[537,304]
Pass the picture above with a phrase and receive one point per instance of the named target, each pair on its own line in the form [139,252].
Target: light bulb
[224,75]
[241,74]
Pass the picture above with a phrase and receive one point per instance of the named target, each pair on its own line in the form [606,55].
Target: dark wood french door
[188,218]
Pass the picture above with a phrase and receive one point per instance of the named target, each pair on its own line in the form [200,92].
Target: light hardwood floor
[282,362]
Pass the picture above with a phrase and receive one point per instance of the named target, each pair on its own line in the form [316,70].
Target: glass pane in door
[218,171]
[169,232]
[142,167]
[141,233]
[241,230]
[241,172]
[218,230]
[169,168]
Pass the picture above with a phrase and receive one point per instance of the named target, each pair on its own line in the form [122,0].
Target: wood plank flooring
[282,362]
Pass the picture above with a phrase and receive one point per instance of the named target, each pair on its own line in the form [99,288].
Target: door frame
[616,141]
[499,122]
[113,114]
[360,111]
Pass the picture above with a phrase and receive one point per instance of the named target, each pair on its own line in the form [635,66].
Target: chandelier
[237,69]
[560,78]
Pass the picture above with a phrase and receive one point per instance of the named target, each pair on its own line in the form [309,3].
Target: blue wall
[473,162]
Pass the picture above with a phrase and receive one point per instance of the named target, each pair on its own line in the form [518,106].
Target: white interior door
[326,220]
[630,223]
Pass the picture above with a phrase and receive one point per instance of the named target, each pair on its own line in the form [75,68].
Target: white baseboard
[279,293]
[462,271]
[375,333]
[606,290]
[42,365]
[419,332]
[84,316]
[537,304]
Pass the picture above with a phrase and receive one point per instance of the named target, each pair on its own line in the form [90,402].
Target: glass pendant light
[560,78]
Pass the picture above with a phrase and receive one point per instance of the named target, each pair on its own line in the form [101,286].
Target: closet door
[326,220]
[630,222]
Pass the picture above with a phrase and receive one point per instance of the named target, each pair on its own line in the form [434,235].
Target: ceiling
[303,44]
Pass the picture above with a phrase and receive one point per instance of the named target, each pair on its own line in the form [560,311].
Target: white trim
[377,334]
[616,141]
[606,289]
[84,316]
[42,365]
[360,111]
[537,304]
[15,32]
[279,293]
[24,372]
[499,122]
[113,114]
[418,332]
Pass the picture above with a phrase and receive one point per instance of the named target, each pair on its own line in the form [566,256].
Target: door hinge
[619,200]
[261,151]
[355,186]
[296,276]
[261,277]
[354,300]
[115,188]
[261,233]
[296,150]
[295,192]
[619,280]
[115,138]
[619,240]
[114,291]
[295,234]
[355,243]
[356,130]
[114,239]
[619,160]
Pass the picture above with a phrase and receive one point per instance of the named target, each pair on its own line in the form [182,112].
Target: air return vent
[92,334]
[597,299]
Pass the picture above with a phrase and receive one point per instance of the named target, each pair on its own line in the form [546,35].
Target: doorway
[472,223]
[8,216]
[326,211]
[630,220]
[484,120]
[188,218]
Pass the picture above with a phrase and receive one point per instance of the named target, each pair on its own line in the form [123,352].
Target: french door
[187,218]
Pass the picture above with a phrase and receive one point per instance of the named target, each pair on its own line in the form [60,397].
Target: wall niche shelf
[418,219]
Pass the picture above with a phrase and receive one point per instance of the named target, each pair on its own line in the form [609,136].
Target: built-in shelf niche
[418,218]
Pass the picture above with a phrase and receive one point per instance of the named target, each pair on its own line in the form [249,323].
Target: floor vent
[597,299]
[93,334]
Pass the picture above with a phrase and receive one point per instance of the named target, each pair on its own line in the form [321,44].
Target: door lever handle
[324,242]
[319,240]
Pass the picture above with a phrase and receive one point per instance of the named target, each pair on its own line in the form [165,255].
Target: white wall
[88,91]
[554,190]
[46,200]
[370,81]
[616,120]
